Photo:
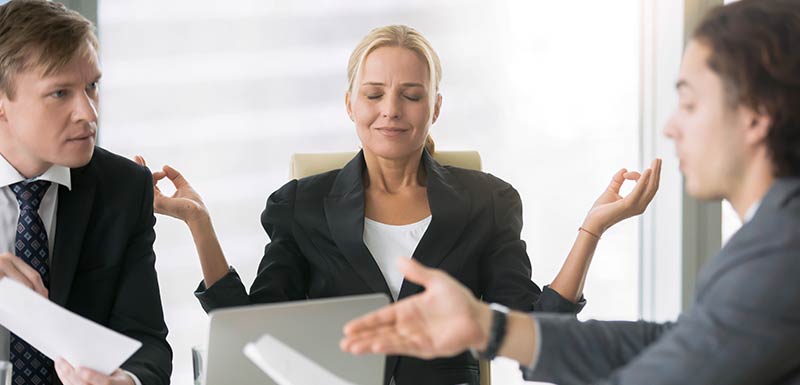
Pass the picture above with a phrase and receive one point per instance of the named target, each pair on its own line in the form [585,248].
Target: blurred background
[556,97]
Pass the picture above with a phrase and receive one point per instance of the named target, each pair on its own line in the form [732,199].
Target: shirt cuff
[133,376]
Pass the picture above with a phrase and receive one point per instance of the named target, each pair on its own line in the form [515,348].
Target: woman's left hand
[611,208]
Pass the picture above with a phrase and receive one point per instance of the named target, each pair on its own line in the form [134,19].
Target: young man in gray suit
[737,134]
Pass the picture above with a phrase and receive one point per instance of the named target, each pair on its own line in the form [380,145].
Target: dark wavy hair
[755,48]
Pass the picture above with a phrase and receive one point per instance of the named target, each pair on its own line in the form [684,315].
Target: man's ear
[3,101]
[757,124]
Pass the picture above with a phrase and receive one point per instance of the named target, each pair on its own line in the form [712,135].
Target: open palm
[438,322]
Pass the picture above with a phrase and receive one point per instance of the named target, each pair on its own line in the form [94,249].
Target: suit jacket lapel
[72,218]
[780,194]
[450,206]
[344,212]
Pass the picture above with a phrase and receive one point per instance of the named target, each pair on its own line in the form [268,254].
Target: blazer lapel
[450,206]
[736,251]
[72,218]
[344,211]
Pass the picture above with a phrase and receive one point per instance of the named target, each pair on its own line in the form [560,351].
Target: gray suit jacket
[744,326]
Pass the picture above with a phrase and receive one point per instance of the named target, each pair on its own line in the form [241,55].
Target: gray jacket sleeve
[744,328]
[574,352]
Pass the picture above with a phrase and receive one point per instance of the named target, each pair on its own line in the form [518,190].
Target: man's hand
[19,270]
[82,376]
[442,321]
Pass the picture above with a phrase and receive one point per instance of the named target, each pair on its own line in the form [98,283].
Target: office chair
[306,164]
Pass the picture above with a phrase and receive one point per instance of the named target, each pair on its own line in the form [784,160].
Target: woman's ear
[437,107]
[347,105]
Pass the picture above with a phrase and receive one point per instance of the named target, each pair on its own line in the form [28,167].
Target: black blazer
[316,225]
[103,262]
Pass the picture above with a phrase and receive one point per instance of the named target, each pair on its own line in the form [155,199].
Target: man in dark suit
[737,133]
[76,222]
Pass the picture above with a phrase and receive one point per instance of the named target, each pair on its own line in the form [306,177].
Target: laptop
[311,327]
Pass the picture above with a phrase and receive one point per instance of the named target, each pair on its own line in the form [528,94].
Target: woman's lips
[392,131]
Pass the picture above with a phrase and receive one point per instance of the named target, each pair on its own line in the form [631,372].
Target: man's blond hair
[39,34]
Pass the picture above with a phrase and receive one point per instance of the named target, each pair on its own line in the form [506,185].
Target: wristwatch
[497,331]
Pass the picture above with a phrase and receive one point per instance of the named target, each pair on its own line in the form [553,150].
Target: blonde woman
[341,232]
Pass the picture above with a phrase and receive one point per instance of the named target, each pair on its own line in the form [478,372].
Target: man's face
[51,119]
[709,133]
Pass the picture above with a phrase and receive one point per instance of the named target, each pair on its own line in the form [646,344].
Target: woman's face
[390,103]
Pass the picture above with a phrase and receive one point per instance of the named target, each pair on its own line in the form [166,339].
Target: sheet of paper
[57,332]
[287,366]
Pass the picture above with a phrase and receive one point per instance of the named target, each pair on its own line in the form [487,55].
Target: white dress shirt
[9,215]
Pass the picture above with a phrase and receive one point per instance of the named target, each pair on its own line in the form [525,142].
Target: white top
[387,243]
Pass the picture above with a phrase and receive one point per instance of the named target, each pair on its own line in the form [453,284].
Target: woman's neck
[392,175]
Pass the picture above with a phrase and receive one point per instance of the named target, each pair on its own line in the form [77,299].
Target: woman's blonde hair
[404,37]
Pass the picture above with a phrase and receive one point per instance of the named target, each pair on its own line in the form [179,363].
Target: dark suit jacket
[103,261]
[743,328]
[316,225]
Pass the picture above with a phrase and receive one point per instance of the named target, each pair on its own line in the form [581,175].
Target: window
[227,91]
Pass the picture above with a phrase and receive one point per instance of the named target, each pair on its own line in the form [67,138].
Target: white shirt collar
[751,212]
[56,174]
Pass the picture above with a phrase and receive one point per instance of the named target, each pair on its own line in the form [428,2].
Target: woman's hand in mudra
[611,208]
[184,204]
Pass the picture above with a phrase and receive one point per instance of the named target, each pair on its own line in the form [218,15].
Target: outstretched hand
[611,208]
[442,321]
[185,204]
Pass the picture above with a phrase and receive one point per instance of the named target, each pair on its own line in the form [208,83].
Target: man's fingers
[371,321]
[67,373]
[139,160]
[11,269]
[92,377]
[31,275]
[382,340]
[415,272]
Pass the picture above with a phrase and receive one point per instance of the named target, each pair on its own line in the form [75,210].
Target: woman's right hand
[185,204]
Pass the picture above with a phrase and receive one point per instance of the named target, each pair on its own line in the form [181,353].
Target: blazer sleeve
[283,271]
[137,311]
[743,330]
[506,265]
[574,352]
